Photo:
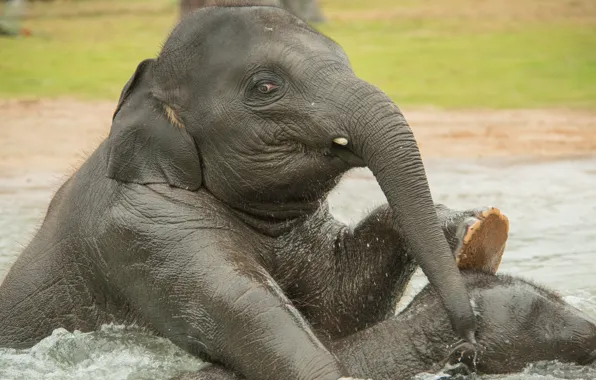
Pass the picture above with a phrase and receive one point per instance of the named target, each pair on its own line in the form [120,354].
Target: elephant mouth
[346,155]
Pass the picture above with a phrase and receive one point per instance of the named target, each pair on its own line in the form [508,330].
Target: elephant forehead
[232,35]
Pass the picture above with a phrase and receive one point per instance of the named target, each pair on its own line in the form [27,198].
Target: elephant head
[519,322]
[254,106]
[540,326]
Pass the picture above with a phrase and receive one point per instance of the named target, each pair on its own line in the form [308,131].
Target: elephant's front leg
[372,264]
[211,297]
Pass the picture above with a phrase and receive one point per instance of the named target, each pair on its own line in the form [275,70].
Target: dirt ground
[57,135]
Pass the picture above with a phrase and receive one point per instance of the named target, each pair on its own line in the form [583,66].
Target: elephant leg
[477,237]
[358,274]
[382,266]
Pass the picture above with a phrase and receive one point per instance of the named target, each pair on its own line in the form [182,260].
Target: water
[551,206]
[114,352]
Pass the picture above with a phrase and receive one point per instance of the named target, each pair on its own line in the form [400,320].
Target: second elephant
[519,323]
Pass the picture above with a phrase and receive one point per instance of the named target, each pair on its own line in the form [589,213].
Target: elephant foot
[484,240]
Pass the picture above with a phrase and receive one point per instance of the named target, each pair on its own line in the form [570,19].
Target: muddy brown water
[551,205]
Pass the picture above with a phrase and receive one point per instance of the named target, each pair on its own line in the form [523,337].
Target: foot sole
[484,243]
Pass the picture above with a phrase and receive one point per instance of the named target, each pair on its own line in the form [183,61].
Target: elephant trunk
[379,135]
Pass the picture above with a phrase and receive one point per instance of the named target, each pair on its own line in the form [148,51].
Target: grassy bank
[470,54]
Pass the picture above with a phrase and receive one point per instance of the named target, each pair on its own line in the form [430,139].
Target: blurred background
[501,95]
[443,53]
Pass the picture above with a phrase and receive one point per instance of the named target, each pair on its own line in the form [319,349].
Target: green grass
[541,66]
[418,54]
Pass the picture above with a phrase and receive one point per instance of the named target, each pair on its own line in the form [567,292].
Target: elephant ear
[148,143]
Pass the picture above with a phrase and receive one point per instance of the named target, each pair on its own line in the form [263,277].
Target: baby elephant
[197,216]
[518,323]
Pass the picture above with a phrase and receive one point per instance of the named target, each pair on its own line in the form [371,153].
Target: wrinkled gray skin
[518,323]
[198,215]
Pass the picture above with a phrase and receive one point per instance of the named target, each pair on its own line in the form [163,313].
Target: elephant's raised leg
[348,279]
[477,237]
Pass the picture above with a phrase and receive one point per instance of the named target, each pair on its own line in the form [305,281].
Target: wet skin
[197,216]
[518,323]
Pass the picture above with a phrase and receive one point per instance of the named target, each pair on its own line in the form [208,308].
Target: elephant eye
[266,87]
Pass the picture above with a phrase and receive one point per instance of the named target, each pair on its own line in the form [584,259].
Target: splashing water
[113,352]
[130,353]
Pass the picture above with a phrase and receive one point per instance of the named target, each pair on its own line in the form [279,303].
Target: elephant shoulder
[162,206]
[164,214]
[162,224]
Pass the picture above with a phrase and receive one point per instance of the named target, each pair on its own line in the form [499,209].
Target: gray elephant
[199,216]
[518,323]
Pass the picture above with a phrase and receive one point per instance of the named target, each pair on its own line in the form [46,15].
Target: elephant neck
[276,220]
[276,210]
